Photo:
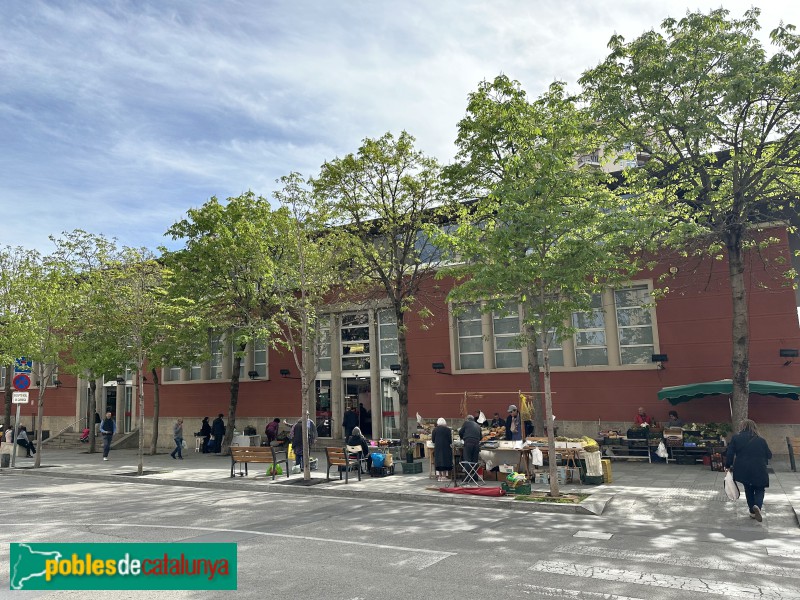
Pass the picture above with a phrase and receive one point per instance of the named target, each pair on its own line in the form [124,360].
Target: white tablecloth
[246,440]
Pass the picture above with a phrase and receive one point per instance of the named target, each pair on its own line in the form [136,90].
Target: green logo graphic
[122,566]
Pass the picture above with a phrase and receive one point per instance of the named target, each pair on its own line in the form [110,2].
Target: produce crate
[381,471]
[410,468]
[521,490]
[593,479]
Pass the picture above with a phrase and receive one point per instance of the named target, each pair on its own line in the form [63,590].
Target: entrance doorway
[356,394]
[323,408]
[111,401]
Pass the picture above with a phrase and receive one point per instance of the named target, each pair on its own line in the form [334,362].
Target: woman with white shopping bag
[748,454]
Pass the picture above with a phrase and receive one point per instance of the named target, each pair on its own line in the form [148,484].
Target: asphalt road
[310,547]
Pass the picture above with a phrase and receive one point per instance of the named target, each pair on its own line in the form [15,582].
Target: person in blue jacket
[748,454]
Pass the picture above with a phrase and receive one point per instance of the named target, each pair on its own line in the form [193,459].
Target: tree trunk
[551,441]
[156,410]
[402,390]
[740,360]
[91,409]
[39,414]
[140,380]
[534,373]
[237,365]
[8,396]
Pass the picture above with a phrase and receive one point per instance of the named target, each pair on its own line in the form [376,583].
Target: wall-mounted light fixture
[57,383]
[789,353]
[396,369]
[660,359]
[121,380]
[252,374]
[439,368]
[286,374]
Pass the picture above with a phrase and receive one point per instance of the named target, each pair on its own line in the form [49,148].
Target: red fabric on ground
[487,491]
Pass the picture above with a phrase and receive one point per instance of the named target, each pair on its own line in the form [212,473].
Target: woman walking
[177,434]
[748,454]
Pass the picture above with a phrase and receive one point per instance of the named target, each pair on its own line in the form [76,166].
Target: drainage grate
[301,482]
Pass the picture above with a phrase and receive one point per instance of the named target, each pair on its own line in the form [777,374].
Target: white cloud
[119,116]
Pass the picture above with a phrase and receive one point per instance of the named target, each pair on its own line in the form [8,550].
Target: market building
[600,376]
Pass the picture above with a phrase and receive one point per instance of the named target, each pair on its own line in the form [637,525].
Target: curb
[593,505]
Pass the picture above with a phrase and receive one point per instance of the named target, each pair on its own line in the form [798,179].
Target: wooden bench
[339,457]
[794,450]
[243,455]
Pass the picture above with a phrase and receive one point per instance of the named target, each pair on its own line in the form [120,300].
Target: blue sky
[116,117]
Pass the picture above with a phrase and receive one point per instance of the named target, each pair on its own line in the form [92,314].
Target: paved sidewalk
[658,493]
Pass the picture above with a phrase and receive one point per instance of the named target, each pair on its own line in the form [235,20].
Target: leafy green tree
[718,117]
[227,269]
[49,293]
[546,234]
[94,351]
[307,276]
[384,195]
[143,313]
[15,263]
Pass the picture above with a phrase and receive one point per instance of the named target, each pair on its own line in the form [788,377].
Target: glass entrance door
[390,408]
[323,408]
[356,394]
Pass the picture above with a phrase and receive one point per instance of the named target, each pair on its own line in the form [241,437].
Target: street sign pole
[18,398]
[14,439]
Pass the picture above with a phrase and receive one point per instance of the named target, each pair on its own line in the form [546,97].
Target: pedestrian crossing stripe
[685,560]
[550,592]
[660,580]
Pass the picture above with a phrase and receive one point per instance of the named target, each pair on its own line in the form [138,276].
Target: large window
[324,344]
[555,350]
[2,376]
[260,357]
[387,328]
[174,373]
[216,357]
[470,337]
[619,331]
[590,335]
[505,326]
[355,342]
[634,325]
[195,372]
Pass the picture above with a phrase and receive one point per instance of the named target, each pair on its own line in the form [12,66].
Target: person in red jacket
[643,418]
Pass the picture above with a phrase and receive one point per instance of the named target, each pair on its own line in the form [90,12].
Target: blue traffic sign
[22,365]
[22,382]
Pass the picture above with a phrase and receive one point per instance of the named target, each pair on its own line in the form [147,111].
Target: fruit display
[494,433]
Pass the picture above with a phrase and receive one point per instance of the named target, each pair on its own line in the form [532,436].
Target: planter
[593,479]
[411,468]
[520,490]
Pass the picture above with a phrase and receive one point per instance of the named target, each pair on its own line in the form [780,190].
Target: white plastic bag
[662,450]
[183,444]
[731,489]
[537,459]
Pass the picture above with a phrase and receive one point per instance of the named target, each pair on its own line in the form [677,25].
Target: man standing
[217,432]
[470,433]
[349,422]
[513,424]
[297,438]
[642,418]
[107,429]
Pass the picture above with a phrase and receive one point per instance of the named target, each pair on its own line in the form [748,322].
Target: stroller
[85,435]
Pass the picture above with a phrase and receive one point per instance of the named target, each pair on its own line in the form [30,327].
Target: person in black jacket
[748,454]
[442,438]
[205,433]
[218,431]
[357,439]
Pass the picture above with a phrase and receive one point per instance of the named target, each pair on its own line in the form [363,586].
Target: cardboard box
[506,468]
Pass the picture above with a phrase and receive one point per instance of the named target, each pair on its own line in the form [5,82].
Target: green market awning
[724,387]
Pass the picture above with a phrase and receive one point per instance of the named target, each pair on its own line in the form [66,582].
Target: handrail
[63,430]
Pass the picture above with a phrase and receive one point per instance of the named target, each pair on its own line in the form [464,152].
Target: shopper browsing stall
[442,438]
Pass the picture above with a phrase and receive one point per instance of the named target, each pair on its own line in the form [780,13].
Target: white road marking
[677,582]
[782,552]
[685,560]
[580,595]
[427,558]
[595,535]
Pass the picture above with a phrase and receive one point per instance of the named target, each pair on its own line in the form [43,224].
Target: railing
[70,426]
